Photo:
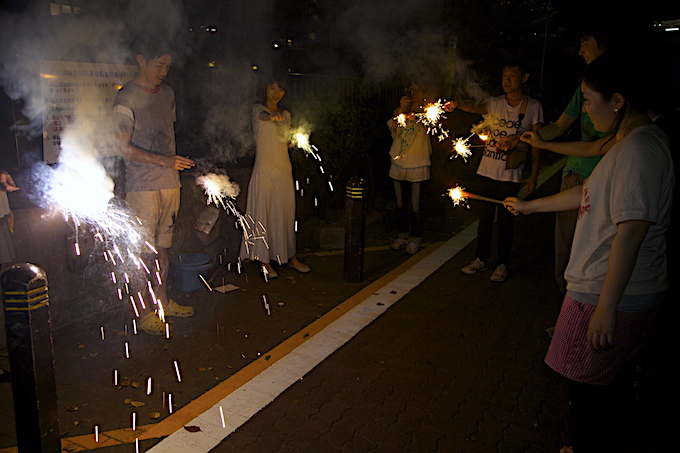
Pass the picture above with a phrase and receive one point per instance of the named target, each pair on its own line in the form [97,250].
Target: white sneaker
[412,248]
[476,266]
[398,244]
[500,274]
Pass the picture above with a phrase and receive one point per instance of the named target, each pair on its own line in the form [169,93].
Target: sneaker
[412,248]
[398,244]
[476,266]
[500,274]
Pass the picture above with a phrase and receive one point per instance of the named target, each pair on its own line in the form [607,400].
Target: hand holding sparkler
[533,138]
[508,142]
[450,106]
[7,183]
[517,206]
[178,162]
[404,103]
[276,116]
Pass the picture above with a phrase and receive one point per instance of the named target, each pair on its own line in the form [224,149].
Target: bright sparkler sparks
[431,117]
[221,191]
[461,148]
[458,196]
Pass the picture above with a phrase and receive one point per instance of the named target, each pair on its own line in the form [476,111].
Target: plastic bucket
[189,268]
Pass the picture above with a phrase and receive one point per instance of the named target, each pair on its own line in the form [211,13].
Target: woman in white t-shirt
[616,275]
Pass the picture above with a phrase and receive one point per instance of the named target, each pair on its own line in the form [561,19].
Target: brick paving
[454,366]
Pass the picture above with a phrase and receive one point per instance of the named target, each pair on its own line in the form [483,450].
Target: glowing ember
[401,120]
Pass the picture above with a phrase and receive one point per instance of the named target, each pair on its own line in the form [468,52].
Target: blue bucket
[190,266]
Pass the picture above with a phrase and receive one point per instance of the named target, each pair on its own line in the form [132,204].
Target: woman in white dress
[271,192]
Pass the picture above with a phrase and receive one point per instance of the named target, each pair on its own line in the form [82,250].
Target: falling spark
[224,424]
[134,326]
[134,306]
[77,248]
[152,248]
[149,386]
[134,421]
[115,378]
[96,433]
[206,282]
[167,331]
[170,403]
[179,377]
[127,350]
[266,305]
[101,329]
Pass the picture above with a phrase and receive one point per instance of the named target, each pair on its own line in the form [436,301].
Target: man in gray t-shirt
[144,117]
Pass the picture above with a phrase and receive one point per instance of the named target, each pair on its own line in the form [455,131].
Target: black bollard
[31,358]
[355,228]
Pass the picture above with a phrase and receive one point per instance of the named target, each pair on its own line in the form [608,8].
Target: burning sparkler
[461,148]
[431,116]
[459,197]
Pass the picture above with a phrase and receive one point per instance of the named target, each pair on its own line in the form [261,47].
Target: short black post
[31,358]
[355,228]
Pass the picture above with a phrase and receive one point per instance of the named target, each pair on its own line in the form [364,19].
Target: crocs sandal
[177,310]
[152,325]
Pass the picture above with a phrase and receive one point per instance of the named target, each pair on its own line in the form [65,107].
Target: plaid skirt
[572,356]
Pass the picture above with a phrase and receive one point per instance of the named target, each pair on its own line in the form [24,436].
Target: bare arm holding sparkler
[273,116]
[469,106]
[132,152]
[579,149]
[6,182]
[553,130]
[564,201]
[535,163]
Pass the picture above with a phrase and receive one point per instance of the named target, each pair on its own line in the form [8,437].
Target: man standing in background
[144,117]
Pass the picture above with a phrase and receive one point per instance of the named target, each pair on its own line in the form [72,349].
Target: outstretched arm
[580,149]
[553,130]
[469,106]
[564,201]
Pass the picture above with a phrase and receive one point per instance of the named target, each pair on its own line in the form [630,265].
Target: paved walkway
[439,362]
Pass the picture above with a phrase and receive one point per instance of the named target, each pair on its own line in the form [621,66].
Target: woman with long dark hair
[271,192]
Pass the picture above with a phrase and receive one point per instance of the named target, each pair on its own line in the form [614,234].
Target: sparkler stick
[459,197]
